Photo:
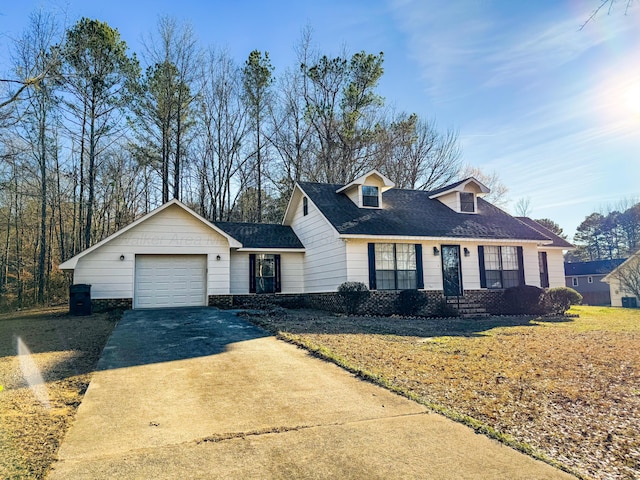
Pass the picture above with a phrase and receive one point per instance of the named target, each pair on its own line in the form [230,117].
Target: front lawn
[567,389]
[46,361]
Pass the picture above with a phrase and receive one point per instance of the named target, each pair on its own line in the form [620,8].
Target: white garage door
[170,281]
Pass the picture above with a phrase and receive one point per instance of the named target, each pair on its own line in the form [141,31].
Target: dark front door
[451,274]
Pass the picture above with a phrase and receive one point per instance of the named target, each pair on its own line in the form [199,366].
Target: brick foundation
[220,301]
[106,304]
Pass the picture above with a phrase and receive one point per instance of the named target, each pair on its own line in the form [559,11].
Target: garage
[163,281]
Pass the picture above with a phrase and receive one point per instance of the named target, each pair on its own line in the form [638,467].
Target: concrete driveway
[200,394]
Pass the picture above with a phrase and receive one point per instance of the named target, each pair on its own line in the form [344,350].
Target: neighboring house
[586,278]
[448,242]
[620,297]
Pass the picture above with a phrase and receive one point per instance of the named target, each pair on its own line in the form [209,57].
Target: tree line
[92,136]
[606,236]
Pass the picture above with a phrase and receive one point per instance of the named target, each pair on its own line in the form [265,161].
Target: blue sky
[554,110]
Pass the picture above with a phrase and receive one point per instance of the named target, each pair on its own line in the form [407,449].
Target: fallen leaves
[568,388]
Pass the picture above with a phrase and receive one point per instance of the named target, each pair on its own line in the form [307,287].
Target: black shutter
[483,271]
[521,266]
[419,272]
[372,266]
[252,273]
[277,272]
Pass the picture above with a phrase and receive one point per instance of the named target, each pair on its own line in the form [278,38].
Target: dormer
[366,191]
[462,196]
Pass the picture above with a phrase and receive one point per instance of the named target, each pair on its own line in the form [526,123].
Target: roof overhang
[70,264]
[461,187]
[438,239]
[272,250]
[386,182]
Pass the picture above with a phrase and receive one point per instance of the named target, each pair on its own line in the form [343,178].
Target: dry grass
[567,390]
[34,419]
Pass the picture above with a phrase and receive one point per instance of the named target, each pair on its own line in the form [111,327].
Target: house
[448,242]
[586,278]
[629,269]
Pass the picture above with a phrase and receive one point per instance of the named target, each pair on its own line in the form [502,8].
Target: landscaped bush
[410,302]
[559,299]
[353,295]
[524,300]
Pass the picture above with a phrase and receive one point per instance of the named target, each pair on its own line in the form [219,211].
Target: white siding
[616,293]
[171,231]
[325,258]
[555,265]
[291,272]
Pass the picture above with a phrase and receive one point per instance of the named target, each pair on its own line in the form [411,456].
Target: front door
[544,269]
[451,273]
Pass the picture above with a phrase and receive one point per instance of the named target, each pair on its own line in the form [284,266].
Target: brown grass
[65,350]
[567,390]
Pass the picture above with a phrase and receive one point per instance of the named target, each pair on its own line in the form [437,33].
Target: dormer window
[370,196]
[467,202]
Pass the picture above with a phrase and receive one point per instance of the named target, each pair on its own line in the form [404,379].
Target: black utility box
[80,299]
[629,302]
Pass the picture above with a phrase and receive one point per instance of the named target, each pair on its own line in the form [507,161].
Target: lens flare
[32,375]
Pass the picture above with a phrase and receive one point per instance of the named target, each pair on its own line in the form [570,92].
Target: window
[305,206]
[589,279]
[544,269]
[467,202]
[395,266]
[502,267]
[370,196]
[574,281]
[264,273]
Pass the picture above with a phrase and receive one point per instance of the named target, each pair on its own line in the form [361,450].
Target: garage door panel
[170,281]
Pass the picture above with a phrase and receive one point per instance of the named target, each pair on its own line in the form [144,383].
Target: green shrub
[353,295]
[524,300]
[410,302]
[559,299]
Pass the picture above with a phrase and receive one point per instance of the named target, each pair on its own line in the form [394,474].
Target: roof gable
[71,263]
[467,185]
[379,180]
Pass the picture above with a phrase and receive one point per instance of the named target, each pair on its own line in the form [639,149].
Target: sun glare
[631,98]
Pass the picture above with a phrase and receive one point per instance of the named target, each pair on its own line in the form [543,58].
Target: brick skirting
[378,303]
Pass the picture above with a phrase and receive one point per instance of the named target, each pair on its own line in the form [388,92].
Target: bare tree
[499,190]
[607,6]
[416,155]
[523,207]
[221,132]
[174,56]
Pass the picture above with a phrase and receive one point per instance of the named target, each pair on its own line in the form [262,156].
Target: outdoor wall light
[121,258]
[218,257]
[466,252]
[436,251]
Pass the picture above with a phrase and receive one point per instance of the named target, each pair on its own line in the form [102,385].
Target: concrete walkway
[201,394]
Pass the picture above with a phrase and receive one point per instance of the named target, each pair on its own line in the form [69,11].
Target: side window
[370,196]
[590,280]
[305,206]
[467,202]
[574,281]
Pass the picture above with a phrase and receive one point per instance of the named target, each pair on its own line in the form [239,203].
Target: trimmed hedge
[353,295]
[524,300]
[559,299]
[410,302]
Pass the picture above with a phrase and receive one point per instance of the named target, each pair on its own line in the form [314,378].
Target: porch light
[218,257]
[436,251]
[466,252]
[122,258]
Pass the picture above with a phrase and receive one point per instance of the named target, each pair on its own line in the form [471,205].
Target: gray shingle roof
[413,213]
[557,240]
[261,235]
[595,267]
